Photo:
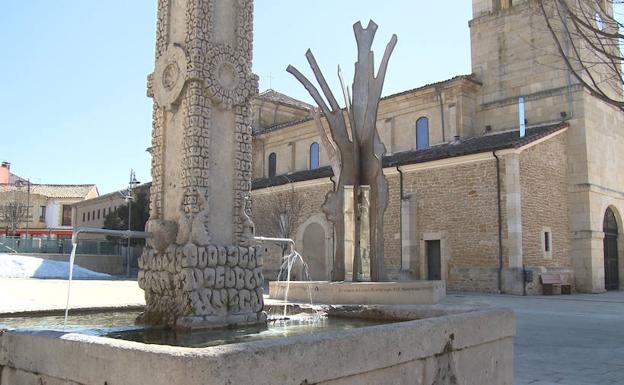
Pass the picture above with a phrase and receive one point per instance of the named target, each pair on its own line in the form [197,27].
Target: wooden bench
[552,285]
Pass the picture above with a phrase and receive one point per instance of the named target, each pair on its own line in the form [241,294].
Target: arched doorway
[610,228]
[314,251]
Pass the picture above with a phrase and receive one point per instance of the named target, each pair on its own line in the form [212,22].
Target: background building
[92,212]
[472,199]
[39,210]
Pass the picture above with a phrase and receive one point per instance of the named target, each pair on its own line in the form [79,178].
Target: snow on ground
[21,266]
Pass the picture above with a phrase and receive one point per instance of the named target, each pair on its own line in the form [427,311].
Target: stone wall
[513,55]
[543,176]
[455,201]
[458,205]
[392,225]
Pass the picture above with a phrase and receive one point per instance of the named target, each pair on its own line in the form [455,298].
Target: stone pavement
[572,339]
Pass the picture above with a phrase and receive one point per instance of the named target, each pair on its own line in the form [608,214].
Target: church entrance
[610,228]
[434,262]
[314,251]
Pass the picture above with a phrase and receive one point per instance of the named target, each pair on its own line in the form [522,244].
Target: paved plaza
[573,340]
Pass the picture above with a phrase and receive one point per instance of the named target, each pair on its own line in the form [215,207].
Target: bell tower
[513,55]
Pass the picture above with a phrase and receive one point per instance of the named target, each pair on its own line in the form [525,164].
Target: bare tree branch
[588,38]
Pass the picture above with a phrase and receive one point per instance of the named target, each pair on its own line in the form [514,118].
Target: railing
[58,246]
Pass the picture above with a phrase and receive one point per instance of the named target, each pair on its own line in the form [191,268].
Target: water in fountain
[72,257]
[286,269]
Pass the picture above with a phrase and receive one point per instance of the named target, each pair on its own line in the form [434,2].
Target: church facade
[473,200]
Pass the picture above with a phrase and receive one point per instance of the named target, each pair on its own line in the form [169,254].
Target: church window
[314,156]
[547,242]
[272,164]
[422,133]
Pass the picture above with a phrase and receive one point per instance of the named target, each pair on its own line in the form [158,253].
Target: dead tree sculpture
[354,148]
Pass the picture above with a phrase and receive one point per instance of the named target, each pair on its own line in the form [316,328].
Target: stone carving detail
[162,27]
[170,74]
[157,149]
[190,284]
[245,30]
[243,226]
[228,77]
[189,281]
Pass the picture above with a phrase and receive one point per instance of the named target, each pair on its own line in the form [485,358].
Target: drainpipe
[500,224]
[402,197]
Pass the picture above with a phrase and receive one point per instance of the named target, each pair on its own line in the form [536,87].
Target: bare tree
[280,216]
[13,209]
[588,37]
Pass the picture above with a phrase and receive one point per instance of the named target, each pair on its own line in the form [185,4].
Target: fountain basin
[433,344]
[361,293]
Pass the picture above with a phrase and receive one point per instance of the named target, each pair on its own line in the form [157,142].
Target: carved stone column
[201,268]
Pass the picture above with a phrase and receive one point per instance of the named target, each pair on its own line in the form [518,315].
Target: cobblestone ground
[572,340]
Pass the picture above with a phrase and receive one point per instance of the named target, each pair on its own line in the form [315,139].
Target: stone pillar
[409,238]
[512,276]
[201,267]
[364,270]
[349,235]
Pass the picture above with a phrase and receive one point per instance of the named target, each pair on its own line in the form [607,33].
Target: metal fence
[59,246]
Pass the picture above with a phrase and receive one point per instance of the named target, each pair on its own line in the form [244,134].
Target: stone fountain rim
[453,313]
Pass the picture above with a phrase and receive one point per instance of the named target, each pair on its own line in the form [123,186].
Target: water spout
[90,230]
[287,265]
[286,269]
[72,258]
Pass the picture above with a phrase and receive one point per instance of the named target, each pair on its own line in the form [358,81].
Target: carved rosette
[170,76]
[229,79]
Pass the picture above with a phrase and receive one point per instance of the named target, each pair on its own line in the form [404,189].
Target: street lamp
[132,183]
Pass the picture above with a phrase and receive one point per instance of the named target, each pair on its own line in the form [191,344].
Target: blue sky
[73,102]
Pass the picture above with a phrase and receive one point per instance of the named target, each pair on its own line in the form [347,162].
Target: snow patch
[21,266]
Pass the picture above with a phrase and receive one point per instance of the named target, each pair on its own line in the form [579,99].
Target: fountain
[202,268]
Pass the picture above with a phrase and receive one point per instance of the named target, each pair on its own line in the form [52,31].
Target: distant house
[92,212]
[39,210]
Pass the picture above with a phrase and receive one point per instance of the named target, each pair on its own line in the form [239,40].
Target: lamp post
[132,183]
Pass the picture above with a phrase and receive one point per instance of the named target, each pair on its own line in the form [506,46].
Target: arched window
[314,156]
[422,133]
[272,164]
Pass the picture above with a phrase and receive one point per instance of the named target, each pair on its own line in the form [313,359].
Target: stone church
[473,200]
